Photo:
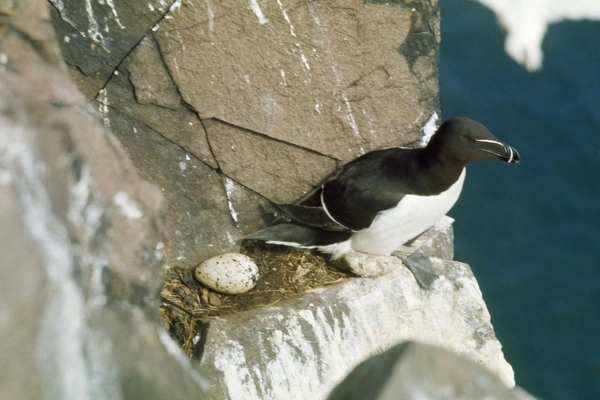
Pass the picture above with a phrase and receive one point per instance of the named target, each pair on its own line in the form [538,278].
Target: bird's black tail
[298,235]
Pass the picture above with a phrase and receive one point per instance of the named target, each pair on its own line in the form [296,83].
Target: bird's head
[465,140]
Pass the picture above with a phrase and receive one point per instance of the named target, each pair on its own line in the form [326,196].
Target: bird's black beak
[503,151]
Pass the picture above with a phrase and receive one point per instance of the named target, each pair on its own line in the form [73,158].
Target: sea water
[531,232]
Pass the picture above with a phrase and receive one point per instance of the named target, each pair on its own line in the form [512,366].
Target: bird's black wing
[368,185]
[315,217]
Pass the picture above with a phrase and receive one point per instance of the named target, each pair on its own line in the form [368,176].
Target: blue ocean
[531,232]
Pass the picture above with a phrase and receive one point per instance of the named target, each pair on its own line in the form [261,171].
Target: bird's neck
[443,170]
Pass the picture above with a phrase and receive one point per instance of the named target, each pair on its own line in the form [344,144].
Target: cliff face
[223,103]
[219,105]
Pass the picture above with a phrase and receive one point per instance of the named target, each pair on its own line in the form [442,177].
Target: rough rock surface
[96,36]
[81,240]
[412,370]
[222,104]
[312,342]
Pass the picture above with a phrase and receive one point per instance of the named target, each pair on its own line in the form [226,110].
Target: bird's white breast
[411,217]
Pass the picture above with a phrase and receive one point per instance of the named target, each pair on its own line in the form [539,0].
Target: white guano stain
[231,360]
[210,14]
[176,6]
[304,61]
[103,107]
[229,188]
[287,18]
[111,4]
[60,6]
[303,58]
[258,12]
[352,122]
[230,239]
[282,73]
[324,33]
[128,207]
[305,336]
[93,29]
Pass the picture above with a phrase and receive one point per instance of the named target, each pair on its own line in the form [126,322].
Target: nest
[284,273]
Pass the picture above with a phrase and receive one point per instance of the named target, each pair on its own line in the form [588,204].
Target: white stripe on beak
[490,141]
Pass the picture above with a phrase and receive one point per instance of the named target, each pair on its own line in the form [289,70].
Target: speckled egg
[229,273]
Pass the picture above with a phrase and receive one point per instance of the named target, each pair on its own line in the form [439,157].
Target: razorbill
[387,197]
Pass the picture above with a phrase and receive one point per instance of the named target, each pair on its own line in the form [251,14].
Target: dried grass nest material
[284,273]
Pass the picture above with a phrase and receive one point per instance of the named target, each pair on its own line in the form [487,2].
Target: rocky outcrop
[416,371]
[312,342]
[82,241]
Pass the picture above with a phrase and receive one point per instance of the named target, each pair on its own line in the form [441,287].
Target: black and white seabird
[383,199]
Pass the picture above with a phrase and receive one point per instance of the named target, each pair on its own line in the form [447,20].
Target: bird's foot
[421,267]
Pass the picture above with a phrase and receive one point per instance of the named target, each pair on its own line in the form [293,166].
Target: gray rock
[437,241]
[270,167]
[302,348]
[413,370]
[82,249]
[96,36]
[150,77]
